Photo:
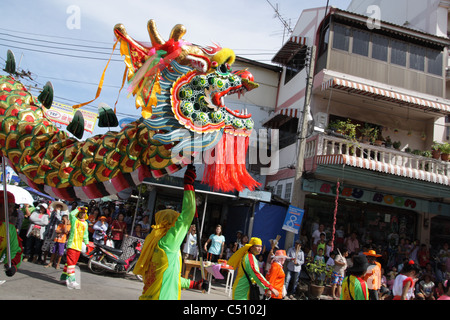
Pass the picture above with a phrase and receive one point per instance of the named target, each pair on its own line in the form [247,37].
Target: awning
[289,50]
[282,116]
[342,159]
[386,95]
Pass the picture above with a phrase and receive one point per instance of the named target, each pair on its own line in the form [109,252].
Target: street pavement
[34,282]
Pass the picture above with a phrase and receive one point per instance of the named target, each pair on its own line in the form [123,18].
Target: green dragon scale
[180,89]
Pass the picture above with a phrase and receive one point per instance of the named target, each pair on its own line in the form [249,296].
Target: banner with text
[63,114]
[363,195]
[293,219]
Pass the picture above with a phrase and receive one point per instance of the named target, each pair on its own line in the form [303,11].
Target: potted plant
[377,139]
[388,142]
[366,133]
[436,150]
[426,153]
[445,151]
[318,272]
[396,145]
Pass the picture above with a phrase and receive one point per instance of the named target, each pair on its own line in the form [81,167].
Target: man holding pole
[294,267]
[11,249]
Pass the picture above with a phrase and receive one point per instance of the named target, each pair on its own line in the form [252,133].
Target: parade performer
[78,234]
[244,260]
[404,283]
[160,260]
[15,243]
[373,274]
[353,286]
[276,275]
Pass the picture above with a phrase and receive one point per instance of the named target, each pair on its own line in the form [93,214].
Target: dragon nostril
[223,68]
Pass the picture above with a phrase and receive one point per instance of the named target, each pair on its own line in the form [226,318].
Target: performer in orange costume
[276,275]
[373,274]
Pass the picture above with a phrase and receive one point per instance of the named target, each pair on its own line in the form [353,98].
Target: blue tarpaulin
[268,223]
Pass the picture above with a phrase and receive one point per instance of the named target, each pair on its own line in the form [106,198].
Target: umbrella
[43,195]
[21,195]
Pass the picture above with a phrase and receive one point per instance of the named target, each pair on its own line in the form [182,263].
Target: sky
[69,42]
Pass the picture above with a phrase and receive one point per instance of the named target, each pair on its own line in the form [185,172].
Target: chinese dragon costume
[180,88]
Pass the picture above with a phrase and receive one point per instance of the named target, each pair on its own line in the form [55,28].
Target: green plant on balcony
[377,138]
[347,128]
[396,145]
[445,151]
[388,142]
[436,150]
[426,153]
[367,133]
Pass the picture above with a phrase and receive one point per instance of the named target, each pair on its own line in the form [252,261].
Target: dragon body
[179,87]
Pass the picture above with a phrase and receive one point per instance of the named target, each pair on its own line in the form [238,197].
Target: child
[337,276]
[319,257]
[330,261]
[60,240]
[328,249]
[330,265]
[322,243]
[261,263]
[276,275]
[391,277]
[426,287]
[404,283]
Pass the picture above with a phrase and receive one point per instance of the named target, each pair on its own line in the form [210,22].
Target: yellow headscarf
[235,259]
[164,220]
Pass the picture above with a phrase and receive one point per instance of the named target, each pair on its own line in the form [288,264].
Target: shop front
[377,218]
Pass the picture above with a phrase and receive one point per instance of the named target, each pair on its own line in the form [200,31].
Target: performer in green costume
[15,243]
[244,261]
[160,260]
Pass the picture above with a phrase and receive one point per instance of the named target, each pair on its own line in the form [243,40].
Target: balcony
[326,149]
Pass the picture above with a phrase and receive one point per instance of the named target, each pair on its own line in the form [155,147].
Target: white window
[279,190]
[288,191]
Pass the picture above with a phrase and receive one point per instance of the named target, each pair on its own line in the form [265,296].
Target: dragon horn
[155,37]
[178,32]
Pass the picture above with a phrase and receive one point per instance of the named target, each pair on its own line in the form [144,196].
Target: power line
[59,54]
[52,36]
[54,42]
[58,48]
[254,52]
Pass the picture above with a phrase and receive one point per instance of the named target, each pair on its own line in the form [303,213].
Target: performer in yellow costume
[246,257]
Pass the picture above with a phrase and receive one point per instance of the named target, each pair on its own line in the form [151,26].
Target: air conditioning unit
[320,121]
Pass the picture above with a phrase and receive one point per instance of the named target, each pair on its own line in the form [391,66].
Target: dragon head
[181,89]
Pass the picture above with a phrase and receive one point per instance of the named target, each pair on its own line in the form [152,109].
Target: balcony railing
[323,145]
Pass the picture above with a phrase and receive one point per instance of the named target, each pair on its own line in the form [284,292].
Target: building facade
[390,80]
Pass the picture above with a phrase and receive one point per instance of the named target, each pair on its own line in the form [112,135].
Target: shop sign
[256,195]
[366,196]
[293,219]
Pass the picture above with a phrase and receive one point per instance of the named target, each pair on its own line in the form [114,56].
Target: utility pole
[298,199]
